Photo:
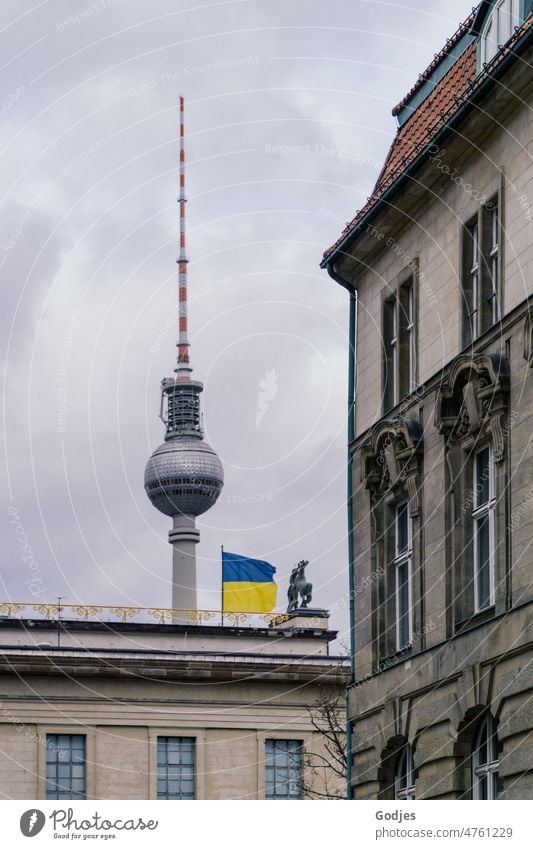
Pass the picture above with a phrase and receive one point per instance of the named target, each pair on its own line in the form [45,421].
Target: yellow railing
[124,613]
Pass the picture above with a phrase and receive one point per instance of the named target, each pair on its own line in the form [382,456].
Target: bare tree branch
[328,767]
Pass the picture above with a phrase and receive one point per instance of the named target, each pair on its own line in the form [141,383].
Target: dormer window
[499,28]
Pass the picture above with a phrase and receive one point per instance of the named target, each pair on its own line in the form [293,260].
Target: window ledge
[390,660]
[474,620]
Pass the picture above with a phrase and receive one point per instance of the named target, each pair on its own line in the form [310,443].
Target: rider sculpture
[299,587]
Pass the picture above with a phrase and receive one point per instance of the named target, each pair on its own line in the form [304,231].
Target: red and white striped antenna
[183,369]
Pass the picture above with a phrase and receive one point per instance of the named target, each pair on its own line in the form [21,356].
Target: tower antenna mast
[183,369]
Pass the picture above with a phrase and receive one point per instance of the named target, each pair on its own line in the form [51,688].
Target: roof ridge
[449,44]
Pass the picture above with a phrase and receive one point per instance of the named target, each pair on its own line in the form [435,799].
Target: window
[399,340]
[283,769]
[409,319]
[175,767]
[481,275]
[472,246]
[404,774]
[493,253]
[486,782]
[65,766]
[403,577]
[390,339]
[499,28]
[483,516]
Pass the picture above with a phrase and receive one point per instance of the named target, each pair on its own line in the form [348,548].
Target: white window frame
[405,766]
[502,12]
[487,509]
[410,329]
[393,342]
[489,769]
[400,559]
[494,261]
[474,315]
[400,320]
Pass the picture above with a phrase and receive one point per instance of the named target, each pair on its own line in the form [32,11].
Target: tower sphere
[183,476]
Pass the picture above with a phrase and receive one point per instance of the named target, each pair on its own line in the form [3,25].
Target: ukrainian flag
[247,585]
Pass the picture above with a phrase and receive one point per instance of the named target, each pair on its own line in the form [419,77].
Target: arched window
[404,774]
[486,761]
[499,28]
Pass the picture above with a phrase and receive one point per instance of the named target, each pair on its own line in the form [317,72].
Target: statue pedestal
[308,618]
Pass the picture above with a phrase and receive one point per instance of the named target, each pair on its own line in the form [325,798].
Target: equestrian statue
[299,587]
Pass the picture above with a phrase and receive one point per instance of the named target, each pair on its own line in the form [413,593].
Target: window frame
[403,558]
[405,773]
[171,797]
[68,793]
[490,768]
[298,745]
[494,23]
[481,512]
[481,273]
[473,315]
[494,260]
[390,359]
[399,340]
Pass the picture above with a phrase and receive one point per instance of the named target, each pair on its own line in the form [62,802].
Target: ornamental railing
[125,613]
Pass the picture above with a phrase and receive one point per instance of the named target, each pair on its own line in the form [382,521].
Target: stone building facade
[440,265]
[124,710]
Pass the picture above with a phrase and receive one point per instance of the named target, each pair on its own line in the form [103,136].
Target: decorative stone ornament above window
[391,459]
[472,401]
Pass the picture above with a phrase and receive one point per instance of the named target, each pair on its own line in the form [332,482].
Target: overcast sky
[288,121]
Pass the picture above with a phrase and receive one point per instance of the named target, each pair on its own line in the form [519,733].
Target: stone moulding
[391,457]
[472,400]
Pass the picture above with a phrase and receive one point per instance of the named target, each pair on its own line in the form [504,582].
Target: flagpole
[222,583]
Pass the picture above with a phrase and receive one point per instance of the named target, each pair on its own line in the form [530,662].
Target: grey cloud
[299,77]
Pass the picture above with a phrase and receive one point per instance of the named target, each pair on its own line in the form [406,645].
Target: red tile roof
[431,116]
[428,118]
[448,47]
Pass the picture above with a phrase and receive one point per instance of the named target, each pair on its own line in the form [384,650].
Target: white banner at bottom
[245,824]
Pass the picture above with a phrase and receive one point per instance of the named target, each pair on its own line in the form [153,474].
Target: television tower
[184,476]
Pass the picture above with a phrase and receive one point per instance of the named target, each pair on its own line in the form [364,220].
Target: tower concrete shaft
[184,537]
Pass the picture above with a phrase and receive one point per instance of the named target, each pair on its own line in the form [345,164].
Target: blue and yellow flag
[247,585]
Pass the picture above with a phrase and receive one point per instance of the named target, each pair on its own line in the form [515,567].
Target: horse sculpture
[299,586]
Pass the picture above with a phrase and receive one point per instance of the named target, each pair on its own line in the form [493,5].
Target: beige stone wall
[122,719]
[433,237]
[248,640]
[429,701]
[432,694]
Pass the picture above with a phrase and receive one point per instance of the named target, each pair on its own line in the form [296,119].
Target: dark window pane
[175,767]
[482,791]
[65,766]
[283,769]
[402,528]
[403,604]
[482,749]
[483,562]
[389,359]
[483,477]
